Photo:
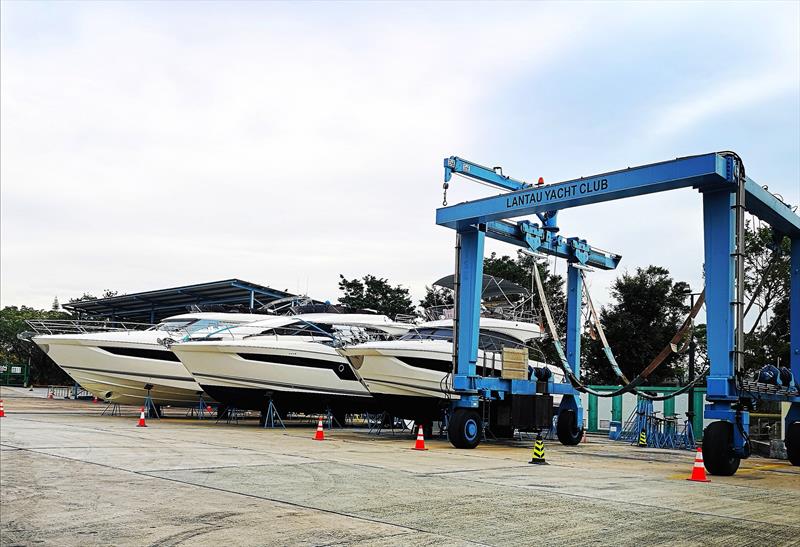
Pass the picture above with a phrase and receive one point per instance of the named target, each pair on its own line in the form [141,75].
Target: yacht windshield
[174,325]
[487,341]
[193,325]
[298,328]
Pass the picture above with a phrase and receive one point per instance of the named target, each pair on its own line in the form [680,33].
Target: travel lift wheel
[465,428]
[793,443]
[718,454]
[567,428]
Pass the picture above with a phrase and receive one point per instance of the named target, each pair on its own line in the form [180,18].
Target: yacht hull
[410,379]
[121,372]
[297,376]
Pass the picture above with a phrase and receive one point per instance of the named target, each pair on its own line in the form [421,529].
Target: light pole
[692,348]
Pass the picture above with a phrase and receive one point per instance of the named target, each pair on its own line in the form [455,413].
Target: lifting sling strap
[630,386]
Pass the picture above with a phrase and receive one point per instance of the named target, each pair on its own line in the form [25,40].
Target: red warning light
[540,181]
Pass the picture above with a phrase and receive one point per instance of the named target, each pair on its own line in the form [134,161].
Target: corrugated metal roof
[152,306]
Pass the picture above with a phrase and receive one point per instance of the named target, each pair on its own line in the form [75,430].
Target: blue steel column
[718,221]
[794,326]
[573,343]
[470,274]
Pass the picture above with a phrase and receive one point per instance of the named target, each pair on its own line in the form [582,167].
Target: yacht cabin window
[487,340]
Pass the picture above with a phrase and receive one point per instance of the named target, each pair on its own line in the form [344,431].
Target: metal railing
[507,313]
[304,331]
[78,326]
[68,392]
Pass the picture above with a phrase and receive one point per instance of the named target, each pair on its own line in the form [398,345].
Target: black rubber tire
[793,443]
[718,455]
[465,428]
[567,429]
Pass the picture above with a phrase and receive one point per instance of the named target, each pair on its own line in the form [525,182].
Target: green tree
[519,271]
[436,296]
[647,311]
[767,264]
[375,293]
[15,350]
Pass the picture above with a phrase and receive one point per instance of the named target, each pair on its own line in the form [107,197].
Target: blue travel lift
[726,191]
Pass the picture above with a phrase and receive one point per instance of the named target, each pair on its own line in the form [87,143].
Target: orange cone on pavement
[208,408]
[2,410]
[141,419]
[699,469]
[95,399]
[320,434]
[50,395]
[420,444]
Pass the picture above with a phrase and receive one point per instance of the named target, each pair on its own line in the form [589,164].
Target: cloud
[149,146]
[726,97]
[156,144]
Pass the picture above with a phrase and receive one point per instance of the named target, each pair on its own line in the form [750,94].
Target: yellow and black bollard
[642,438]
[538,451]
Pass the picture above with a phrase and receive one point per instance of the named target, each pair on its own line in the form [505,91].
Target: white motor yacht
[411,377]
[290,360]
[123,366]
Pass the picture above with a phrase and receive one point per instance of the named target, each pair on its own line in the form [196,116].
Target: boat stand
[149,406]
[330,420]
[200,410]
[272,418]
[231,415]
[115,410]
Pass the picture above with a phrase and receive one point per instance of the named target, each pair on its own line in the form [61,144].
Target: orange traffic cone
[320,434]
[50,395]
[583,439]
[94,400]
[420,444]
[699,470]
[2,410]
[208,408]
[141,419]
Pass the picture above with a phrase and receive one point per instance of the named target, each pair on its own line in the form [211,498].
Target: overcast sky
[148,145]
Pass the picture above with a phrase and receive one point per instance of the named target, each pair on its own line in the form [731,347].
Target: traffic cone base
[2,409]
[420,444]
[537,457]
[141,419]
[699,469]
[320,434]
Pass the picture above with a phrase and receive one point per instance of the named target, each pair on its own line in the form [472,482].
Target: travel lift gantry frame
[727,192]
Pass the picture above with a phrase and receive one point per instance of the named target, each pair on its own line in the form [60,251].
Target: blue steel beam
[706,170]
[272,294]
[493,176]
[528,234]
[770,209]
